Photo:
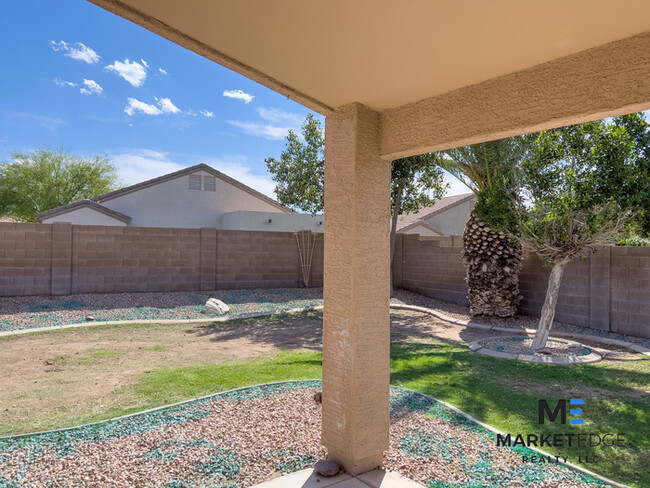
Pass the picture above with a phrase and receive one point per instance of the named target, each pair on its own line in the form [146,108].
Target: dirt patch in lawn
[77,375]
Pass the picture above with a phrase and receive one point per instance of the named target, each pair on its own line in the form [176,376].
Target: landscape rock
[326,468]
[544,350]
[318,397]
[215,307]
[90,318]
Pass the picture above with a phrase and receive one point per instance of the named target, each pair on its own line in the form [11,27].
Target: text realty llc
[571,440]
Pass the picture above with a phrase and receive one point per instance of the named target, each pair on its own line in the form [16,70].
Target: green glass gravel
[224,465]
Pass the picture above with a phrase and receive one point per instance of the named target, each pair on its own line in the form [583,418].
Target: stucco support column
[356,321]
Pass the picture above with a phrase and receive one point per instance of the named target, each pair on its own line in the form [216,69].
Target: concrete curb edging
[592,357]
[225,318]
[476,325]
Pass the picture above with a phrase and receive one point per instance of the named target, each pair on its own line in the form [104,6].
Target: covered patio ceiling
[408,59]
[399,78]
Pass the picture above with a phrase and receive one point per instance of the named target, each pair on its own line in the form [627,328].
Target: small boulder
[318,397]
[326,468]
[215,307]
[545,350]
[574,345]
[90,318]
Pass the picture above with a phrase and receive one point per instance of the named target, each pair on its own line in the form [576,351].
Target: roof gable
[440,206]
[186,171]
[84,204]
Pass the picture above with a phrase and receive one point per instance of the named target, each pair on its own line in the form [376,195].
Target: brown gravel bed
[237,439]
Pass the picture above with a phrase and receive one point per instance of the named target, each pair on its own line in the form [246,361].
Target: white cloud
[206,113]
[138,106]
[60,82]
[140,165]
[238,170]
[50,123]
[262,130]
[239,95]
[144,63]
[133,72]
[78,51]
[165,106]
[162,71]
[91,87]
[277,116]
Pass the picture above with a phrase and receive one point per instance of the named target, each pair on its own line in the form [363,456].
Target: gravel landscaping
[517,322]
[242,437]
[521,345]
[17,313]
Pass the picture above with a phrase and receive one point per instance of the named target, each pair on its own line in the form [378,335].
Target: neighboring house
[194,197]
[446,217]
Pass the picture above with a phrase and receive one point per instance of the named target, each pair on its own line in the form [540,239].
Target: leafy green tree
[417,181]
[299,174]
[639,195]
[44,179]
[492,259]
[574,194]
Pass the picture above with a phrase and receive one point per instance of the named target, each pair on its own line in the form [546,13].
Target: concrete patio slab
[385,479]
[307,479]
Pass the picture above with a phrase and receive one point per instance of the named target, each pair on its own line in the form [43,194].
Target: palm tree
[492,259]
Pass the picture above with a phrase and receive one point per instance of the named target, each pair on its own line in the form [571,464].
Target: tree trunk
[493,262]
[393,227]
[550,302]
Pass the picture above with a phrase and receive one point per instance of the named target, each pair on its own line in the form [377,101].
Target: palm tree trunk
[493,262]
[550,302]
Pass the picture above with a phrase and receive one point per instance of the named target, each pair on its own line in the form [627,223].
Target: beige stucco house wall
[271,221]
[86,215]
[446,217]
[191,198]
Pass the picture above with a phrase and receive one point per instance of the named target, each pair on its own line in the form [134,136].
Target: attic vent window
[195,182]
[209,183]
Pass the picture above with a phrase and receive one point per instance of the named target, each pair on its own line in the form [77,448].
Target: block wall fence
[610,290]
[63,259]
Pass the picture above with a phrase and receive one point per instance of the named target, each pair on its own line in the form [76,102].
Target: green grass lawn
[500,392]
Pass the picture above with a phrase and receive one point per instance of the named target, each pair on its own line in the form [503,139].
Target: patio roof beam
[153,24]
[605,81]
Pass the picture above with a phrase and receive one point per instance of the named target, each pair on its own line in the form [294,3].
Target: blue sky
[77,76]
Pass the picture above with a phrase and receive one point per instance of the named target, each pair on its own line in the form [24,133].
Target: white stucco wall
[172,204]
[452,221]
[280,222]
[85,216]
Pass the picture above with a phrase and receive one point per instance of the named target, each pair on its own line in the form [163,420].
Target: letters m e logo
[545,411]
